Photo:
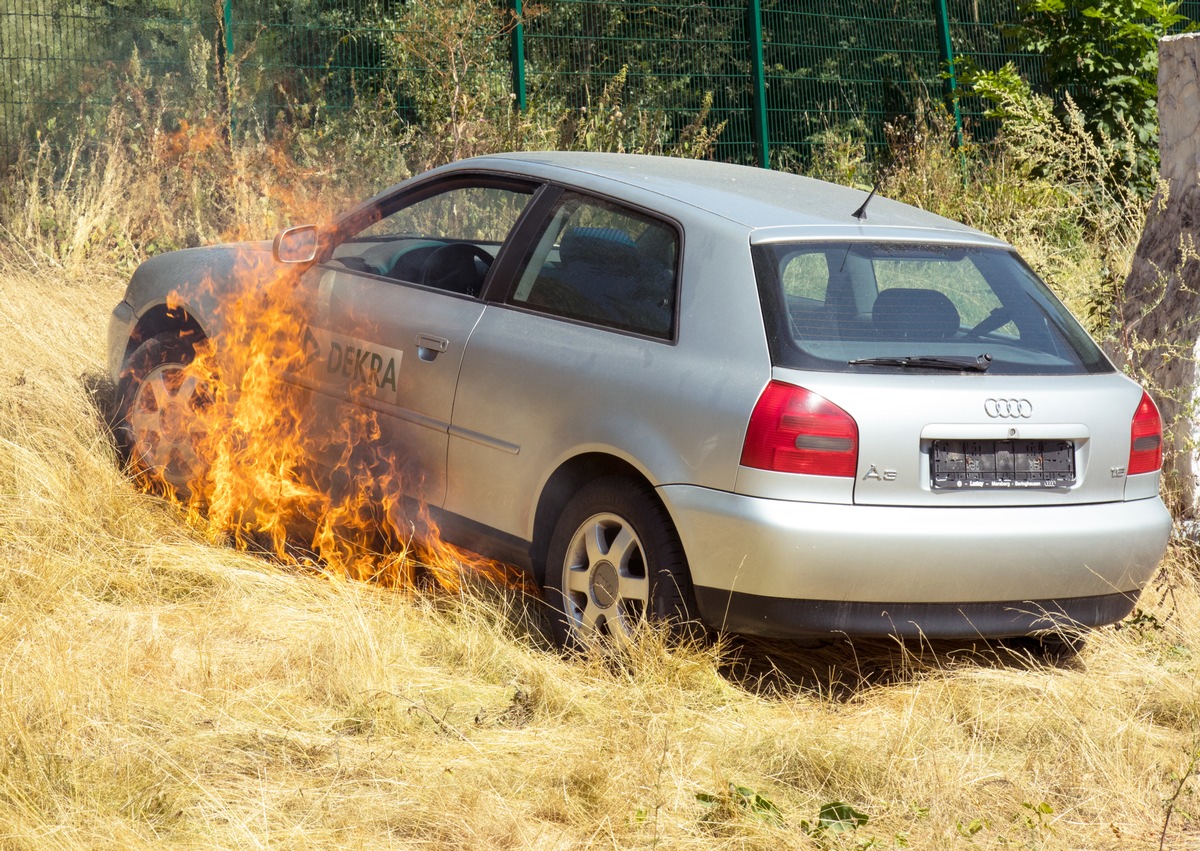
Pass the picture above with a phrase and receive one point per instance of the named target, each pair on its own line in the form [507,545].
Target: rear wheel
[160,422]
[615,560]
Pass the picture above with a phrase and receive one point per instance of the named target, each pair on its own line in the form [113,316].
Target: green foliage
[1035,821]
[969,828]
[608,125]
[1104,54]
[1143,621]
[736,801]
[202,156]
[446,60]
[675,61]
[1037,817]
[839,155]
[313,49]
[1060,145]
[451,67]
[835,818]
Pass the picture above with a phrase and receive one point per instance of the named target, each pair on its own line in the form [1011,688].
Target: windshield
[904,307]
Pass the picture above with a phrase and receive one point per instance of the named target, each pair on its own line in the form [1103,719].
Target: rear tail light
[793,430]
[1145,444]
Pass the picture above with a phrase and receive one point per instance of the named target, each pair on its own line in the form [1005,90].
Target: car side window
[819,304]
[601,263]
[446,240]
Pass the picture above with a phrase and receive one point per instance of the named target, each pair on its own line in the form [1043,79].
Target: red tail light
[793,430]
[1145,439]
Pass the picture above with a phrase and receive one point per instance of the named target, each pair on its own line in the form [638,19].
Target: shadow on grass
[841,668]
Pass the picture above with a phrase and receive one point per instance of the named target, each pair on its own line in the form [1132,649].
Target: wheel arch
[568,479]
[165,318]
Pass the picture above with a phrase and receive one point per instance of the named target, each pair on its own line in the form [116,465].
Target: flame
[187,142]
[259,482]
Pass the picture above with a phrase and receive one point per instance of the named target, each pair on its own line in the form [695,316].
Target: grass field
[161,690]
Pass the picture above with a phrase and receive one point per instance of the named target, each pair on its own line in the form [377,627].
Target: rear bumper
[774,567]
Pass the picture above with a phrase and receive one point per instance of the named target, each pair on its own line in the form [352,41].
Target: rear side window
[603,264]
[829,305]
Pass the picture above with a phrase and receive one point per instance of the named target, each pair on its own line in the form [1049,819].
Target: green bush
[1101,60]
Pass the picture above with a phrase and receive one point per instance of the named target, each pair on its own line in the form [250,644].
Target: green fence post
[518,56]
[762,140]
[224,58]
[227,17]
[946,50]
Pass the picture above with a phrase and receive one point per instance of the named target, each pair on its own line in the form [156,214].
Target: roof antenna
[861,212]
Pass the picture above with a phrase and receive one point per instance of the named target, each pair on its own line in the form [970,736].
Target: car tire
[158,401]
[614,559]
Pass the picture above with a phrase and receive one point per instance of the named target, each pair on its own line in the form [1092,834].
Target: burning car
[668,389]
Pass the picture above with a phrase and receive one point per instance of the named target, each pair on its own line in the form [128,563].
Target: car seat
[901,313]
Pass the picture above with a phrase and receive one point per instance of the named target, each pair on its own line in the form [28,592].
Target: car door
[583,333]
[395,301]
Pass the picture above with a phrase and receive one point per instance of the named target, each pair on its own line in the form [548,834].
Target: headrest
[915,314]
[608,247]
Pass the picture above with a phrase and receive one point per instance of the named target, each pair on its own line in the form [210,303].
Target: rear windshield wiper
[980,363]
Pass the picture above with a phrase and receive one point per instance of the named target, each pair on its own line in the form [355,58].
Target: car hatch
[974,440]
[967,381]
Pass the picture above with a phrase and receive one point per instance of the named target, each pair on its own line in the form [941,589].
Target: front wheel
[615,560]
[160,413]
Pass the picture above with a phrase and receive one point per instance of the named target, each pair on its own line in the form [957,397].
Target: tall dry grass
[161,690]
[158,690]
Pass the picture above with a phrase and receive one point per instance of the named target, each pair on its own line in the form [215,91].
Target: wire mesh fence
[56,59]
[780,74]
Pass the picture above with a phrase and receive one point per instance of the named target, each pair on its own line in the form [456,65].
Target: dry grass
[160,690]
[157,690]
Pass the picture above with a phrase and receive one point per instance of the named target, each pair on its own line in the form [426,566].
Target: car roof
[754,197]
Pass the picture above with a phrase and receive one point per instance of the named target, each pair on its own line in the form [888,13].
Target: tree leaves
[1104,54]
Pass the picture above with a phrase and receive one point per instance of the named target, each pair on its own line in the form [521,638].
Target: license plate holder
[986,464]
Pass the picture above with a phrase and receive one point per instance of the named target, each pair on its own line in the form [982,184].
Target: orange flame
[261,481]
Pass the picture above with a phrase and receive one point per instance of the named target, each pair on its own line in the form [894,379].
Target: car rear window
[860,305]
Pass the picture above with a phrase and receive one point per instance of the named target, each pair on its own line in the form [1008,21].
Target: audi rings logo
[1008,409]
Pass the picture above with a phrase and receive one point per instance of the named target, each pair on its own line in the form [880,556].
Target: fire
[265,476]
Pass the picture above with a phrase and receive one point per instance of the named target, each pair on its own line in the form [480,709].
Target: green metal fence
[781,74]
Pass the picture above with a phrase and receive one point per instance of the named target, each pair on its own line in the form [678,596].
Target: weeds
[1182,778]
[834,819]
[152,180]
[167,168]
[734,802]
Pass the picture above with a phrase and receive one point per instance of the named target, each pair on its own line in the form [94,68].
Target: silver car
[692,391]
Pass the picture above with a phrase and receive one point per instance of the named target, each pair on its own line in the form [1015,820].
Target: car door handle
[429,347]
